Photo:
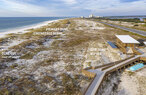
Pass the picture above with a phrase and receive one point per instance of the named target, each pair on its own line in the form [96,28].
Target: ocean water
[7,23]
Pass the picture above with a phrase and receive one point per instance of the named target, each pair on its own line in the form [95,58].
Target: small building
[126,44]
[82,17]
[91,16]
[98,16]
[144,43]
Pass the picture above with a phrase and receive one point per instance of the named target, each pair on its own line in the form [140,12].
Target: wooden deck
[100,75]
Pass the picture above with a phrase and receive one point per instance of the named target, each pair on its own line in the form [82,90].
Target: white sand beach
[25,28]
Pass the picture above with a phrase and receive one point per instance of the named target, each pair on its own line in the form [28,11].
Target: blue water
[16,22]
[136,67]
[141,18]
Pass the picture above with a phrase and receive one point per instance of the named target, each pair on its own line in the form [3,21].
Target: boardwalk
[122,64]
[142,33]
[94,86]
[96,82]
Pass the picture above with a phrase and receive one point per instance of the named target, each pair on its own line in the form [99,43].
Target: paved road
[143,33]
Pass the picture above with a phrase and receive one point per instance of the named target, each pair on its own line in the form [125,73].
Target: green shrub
[14,65]
[70,85]
[130,73]
[27,56]
[70,67]
[136,25]
[47,79]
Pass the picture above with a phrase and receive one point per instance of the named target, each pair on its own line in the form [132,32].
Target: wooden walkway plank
[98,79]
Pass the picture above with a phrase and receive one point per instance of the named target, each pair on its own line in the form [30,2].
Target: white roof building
[91,16]
[127,39]
[144,43]
[82,16]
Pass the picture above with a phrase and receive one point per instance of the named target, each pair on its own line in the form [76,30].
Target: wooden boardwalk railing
[100,75]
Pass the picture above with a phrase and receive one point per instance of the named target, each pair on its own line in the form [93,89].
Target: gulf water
[7,23]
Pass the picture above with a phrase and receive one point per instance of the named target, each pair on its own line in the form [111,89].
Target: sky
[48,8]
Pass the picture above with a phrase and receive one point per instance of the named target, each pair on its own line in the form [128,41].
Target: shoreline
[22,30]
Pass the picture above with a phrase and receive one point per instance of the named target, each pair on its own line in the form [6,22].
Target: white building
[91,16]
[82,16]
[145,43]
[98,16]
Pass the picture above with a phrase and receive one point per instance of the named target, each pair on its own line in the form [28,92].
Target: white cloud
[22,8]
[111,7]
[71,7]
[69,2]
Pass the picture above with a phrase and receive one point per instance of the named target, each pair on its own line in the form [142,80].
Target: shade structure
[127,39]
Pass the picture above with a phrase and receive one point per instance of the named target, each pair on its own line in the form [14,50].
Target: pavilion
[127,44]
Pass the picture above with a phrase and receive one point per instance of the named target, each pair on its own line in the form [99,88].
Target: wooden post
[128,65]
[106,77]
[120,69]
[124,67]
